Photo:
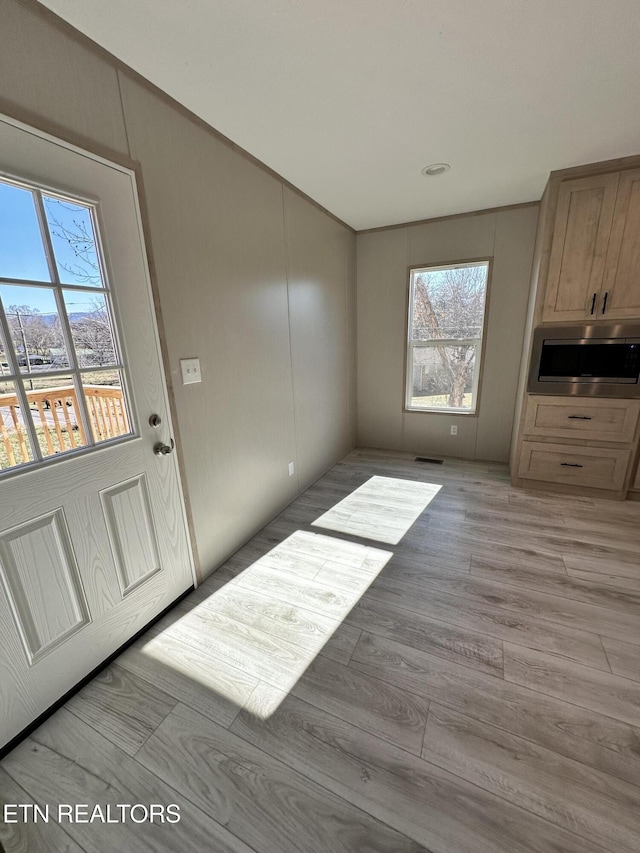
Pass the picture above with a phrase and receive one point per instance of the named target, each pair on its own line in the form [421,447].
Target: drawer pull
[571,465]
[579,417]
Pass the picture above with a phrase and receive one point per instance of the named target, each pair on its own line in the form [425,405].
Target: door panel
[41,579]
[127,513]
[93,544]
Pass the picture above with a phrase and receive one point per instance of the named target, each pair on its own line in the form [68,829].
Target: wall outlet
[454,429]
[292,468]
[190,369]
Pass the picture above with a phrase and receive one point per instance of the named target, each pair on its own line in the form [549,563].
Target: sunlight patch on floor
[271,620]
[383,509]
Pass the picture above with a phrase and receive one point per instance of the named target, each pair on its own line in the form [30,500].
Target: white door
[93,540]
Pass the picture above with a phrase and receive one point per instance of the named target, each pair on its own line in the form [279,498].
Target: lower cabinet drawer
[593,467]
[577,418]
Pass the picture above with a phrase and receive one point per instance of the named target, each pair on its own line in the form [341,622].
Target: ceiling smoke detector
[435,169]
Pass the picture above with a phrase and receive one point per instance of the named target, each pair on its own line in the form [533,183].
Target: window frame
[409,345]
[18,377]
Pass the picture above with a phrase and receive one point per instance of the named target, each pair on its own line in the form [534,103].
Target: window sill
[442,411]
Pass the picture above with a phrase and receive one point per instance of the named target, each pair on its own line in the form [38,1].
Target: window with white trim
[444,341]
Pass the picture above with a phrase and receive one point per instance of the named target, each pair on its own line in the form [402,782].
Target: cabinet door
[579,248]
[622,270]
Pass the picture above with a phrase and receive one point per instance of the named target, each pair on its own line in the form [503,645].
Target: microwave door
[590,360]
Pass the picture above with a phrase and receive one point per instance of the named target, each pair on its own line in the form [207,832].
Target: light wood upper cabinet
[622,268]
[584,218]
[594,264]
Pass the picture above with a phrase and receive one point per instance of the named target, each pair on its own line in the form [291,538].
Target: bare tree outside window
[92,335]
[74,242]
[446,318]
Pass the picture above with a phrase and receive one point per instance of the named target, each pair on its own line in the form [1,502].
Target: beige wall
[251,277]
[319,263]
[383,259]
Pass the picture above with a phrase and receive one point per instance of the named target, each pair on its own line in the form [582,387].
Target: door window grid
[91,417]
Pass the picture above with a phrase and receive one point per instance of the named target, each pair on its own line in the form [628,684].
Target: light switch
[190,368]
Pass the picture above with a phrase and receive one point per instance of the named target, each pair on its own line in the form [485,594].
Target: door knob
[161,449]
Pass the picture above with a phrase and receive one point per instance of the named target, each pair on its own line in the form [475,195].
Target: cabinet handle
[571,465]
[579,417]
[593,303]
[604,304]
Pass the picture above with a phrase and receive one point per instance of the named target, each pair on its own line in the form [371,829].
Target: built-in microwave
[586,361]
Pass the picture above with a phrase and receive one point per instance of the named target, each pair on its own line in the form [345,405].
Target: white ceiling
[349,99]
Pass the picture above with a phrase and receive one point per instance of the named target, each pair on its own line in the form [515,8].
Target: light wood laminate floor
[432,662]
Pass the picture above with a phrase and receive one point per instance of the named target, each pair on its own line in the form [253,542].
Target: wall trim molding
[482,212]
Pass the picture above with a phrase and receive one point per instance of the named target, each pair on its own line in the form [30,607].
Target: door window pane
[15,448]
[91,328]
[55,412]
[105,404]
[74,242]
[32,315]
[21,246]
